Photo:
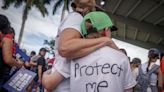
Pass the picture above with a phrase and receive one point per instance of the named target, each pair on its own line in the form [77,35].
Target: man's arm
[160,79]
[70,41]
[40,64]
[40,73]
[84,51]
[33,63]
[50,79]
[128,90]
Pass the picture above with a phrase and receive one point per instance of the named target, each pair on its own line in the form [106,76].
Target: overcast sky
[37,29]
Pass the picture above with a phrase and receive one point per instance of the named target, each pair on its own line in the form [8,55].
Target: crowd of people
[11,62]
[86,58]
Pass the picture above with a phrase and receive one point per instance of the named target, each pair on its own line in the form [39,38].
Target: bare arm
[7,53]
[160,79]
[85,51]
[40,72]
[128,90]
[70,42]
[51,79]
[33,63]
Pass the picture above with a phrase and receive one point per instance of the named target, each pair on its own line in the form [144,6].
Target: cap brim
[113,28]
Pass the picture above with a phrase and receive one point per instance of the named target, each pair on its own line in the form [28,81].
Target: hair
[136,61]
[124,51]
[149,61]
[83,7]
[90,29]
[33,52]
[12,30]
[4,23]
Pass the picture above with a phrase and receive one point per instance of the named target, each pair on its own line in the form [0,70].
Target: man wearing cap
[70,45]
[41,64]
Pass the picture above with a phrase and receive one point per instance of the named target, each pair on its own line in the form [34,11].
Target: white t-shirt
[135,73]
[73,20]
[105,70]
[153,77]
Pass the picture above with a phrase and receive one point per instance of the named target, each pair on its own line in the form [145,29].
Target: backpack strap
[153,69]
[140,70]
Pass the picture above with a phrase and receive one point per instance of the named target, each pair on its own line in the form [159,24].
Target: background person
[30,86]
[153,56]
[6,52]
[41,64]
[135,63]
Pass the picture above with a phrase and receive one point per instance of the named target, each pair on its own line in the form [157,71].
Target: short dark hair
[5,27]
[124,51]
[33,52]
[4,22]
[42,49]
[136,61]
[12,30]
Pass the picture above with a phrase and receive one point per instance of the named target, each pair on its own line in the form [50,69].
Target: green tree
[28,4]
[51,45]
[65,7]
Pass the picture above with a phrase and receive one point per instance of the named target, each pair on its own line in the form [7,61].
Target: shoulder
[108,51]
[41,58]
[7,40]
[73,20]
[74,14]
[34,58]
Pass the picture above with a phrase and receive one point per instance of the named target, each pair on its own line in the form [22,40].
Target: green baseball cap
[99,20]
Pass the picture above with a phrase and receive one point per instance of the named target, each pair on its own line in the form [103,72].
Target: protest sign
[19,81]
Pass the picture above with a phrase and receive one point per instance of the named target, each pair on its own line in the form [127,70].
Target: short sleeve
[129,81]
[62,65]
[73,20]
[40,61]
[63,68]
[34,58]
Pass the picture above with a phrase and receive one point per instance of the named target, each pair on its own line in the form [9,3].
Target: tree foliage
[27,4]
[50,45]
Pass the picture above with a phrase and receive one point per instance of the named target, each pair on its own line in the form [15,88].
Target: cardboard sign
[21,54]
[19,81]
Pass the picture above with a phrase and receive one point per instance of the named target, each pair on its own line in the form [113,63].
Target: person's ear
[106,32]
[88,25]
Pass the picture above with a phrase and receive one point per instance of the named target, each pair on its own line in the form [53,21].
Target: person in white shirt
[134,66]
[120,72]
[104,70]
[69,45]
